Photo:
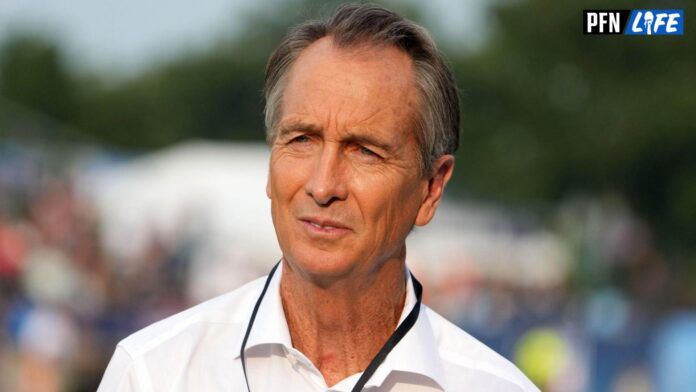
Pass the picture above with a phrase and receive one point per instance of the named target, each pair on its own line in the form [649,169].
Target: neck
[342,326]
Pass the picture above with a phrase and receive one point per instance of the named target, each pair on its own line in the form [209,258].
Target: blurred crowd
[63,306]
[619,321]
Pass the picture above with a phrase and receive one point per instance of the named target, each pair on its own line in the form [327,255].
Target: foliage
[548,111]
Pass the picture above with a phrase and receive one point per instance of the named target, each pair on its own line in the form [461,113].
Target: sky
[125,36]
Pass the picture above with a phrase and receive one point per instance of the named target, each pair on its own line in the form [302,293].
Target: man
[362,118]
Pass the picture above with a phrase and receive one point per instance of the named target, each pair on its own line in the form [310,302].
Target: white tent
[213,192]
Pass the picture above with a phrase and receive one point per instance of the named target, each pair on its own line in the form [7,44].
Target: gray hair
[437,123]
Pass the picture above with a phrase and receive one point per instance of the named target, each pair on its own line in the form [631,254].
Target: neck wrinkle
[341,328]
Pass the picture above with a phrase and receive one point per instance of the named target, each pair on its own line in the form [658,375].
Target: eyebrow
[367,139]
[351,137]
[298,126]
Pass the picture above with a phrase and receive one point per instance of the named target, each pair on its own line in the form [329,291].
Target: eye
[367,152]
[300,139]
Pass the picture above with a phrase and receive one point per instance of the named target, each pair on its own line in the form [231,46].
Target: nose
[326,182]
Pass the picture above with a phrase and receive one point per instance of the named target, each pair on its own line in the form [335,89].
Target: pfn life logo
[656,22]
[633,22]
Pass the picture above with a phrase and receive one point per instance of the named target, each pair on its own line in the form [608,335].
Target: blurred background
[132,174]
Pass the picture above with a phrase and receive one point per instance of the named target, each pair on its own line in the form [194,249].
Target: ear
[440,176]
[268,185]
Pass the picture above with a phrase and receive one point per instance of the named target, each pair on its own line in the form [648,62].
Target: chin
[320,265]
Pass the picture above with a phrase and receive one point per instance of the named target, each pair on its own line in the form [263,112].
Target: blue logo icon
[655,22]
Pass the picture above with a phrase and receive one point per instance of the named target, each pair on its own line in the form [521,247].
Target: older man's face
[344,182]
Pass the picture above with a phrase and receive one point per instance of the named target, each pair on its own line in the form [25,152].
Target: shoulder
[465,357]
[193,324]
[189,346]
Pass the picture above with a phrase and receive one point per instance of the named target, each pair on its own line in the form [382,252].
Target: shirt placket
[301,364]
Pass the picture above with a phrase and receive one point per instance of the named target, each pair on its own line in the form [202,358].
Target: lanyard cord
[393,340]
[251,321]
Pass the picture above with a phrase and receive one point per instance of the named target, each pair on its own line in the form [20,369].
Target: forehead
[359,86]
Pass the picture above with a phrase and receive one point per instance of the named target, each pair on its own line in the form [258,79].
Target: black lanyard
[393,340]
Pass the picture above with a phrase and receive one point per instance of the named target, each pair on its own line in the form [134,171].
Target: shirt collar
[270,326]
[417,352]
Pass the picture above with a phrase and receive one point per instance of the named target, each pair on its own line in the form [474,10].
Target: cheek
[389,205]
[284,182]
[285,179]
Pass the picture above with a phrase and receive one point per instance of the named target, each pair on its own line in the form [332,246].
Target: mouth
[324,227]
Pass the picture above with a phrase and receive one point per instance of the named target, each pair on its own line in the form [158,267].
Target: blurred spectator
[67,298]
[674,353]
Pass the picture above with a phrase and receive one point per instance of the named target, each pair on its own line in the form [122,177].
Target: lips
[324,229]
[326,224]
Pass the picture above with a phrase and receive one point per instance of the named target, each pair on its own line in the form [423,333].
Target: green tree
[549,112]
[33,74]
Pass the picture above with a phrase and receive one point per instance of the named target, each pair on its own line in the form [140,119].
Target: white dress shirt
[198,350]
